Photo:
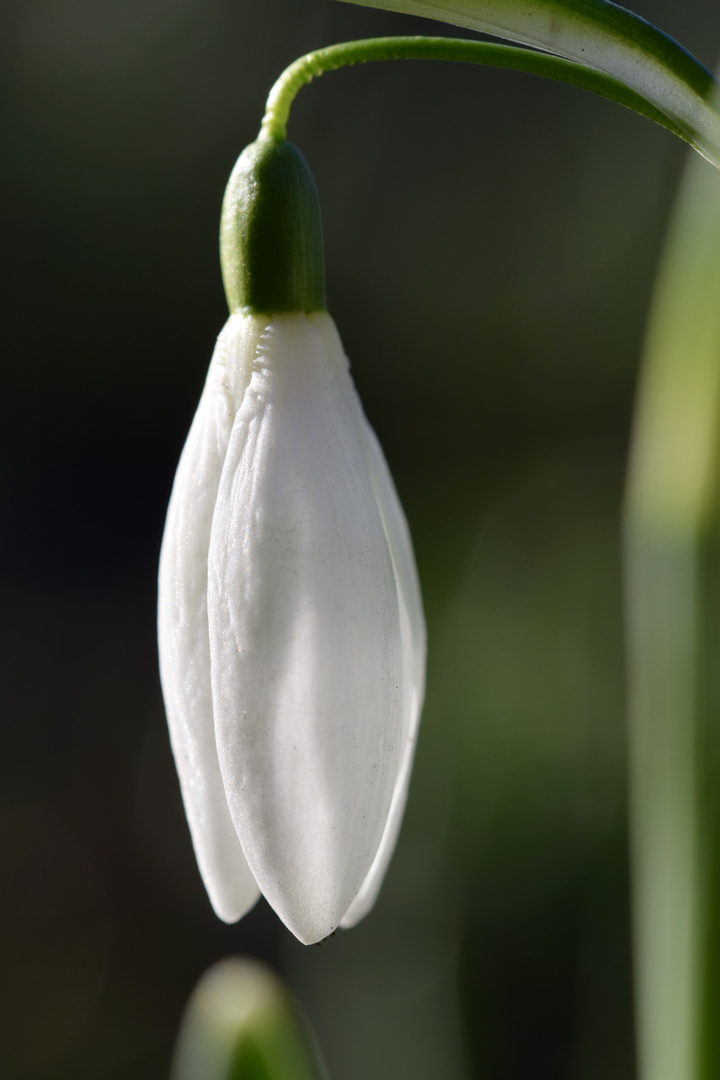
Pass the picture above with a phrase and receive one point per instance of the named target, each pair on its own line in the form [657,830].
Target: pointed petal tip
[230,909]
[311,922]
[313,936]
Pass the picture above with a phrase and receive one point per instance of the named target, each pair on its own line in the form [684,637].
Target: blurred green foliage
[672,581]
[242,1024]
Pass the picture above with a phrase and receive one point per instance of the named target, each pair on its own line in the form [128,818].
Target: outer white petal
[413,637]
[182,624]
[412,627]
[304,635]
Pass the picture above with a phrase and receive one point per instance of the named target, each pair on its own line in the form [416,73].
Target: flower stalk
[602,36]
[458,50]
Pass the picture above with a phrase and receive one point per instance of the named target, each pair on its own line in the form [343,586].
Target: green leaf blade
[672,527]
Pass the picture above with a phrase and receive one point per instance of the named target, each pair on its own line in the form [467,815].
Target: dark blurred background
[491,243]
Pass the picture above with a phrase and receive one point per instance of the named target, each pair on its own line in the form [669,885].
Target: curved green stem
[600,35]
[308,67]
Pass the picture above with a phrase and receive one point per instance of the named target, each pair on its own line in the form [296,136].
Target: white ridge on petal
[183,626]
[305,634]
[412,627]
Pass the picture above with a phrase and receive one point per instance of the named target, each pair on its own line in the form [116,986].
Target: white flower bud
[292,640]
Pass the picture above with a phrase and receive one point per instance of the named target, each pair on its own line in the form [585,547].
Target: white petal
[304,636]
[412,627]
[183,630]
[413,636]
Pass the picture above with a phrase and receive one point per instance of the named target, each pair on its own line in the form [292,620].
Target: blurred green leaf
[242,1024]
[672,569]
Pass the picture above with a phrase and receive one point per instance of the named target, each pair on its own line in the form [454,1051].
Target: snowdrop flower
[291,633]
